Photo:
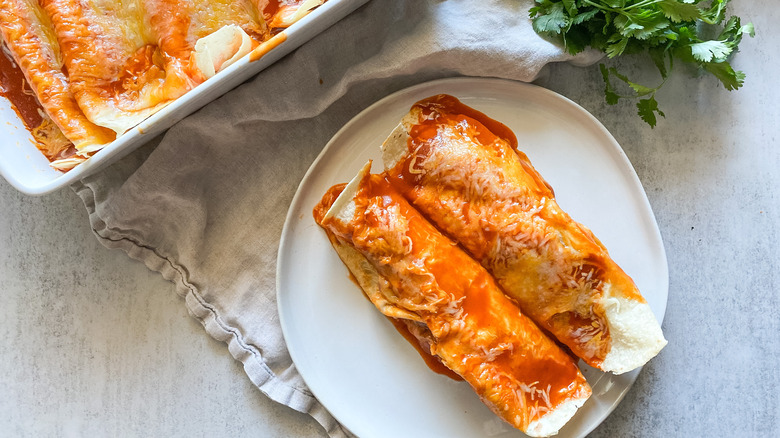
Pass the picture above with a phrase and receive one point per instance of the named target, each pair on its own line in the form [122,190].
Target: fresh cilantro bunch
[691,31]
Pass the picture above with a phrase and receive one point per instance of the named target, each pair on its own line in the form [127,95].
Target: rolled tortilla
[108,51]
[409,270]
[29,35]
[461,169]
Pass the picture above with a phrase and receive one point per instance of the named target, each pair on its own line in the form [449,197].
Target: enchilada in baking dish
[98,68]
[463,171]
[411,272]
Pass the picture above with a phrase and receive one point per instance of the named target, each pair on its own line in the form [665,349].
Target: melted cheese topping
[98,66]
[485,194]
[472,327]
[127,59]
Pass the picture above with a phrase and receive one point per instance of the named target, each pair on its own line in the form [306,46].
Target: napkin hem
[261,376]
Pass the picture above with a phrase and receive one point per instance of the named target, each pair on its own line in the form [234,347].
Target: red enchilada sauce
[444,109]
[445,104]
[13,86]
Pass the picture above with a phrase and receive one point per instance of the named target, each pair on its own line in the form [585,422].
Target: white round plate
[367,375]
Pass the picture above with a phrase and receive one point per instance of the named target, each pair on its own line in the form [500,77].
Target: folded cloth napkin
[205,203]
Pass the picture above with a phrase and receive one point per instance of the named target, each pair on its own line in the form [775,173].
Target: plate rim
[615,149]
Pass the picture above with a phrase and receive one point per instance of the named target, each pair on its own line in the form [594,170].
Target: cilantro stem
[651,93]
[624,10]
[601,6]
[641,4]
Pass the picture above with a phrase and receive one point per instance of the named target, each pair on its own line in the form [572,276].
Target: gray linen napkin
[204,204]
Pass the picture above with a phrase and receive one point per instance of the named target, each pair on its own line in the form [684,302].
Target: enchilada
[463,171]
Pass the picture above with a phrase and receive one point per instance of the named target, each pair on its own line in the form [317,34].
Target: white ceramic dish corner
[352,358]
[25,168]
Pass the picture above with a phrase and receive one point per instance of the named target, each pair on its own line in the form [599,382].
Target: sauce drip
[13,86]
[433,362]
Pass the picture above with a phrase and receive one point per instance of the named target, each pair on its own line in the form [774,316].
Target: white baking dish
[28,170]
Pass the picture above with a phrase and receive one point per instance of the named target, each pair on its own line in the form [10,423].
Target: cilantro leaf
[553,20]
[678,12]
[584,16]
[641,26]
[706,51]
[730,78]
[570,6]
[647,109]
[617,47]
